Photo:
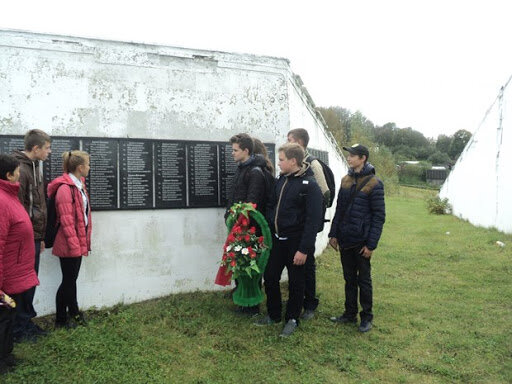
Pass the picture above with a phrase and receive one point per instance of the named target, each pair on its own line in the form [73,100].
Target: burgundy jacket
[17,250]
[73,238]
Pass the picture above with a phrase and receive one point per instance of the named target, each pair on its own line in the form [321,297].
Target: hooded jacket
[296,208]
[17,250]
[31,192]
[363,220]
[73,238]
[249,184]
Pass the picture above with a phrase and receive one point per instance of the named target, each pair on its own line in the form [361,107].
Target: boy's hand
[365,252]
[299,258]
[333,242]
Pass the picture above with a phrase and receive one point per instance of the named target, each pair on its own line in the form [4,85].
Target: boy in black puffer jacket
[294,214]
[356,229]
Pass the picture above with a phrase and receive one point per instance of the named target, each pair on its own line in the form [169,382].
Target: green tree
[460,139]
[439,158]
[444,143]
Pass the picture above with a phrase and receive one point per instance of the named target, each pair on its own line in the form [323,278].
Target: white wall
[479,187]
[72,86]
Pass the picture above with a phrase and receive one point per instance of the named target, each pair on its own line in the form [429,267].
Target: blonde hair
[293,151]
[72,159]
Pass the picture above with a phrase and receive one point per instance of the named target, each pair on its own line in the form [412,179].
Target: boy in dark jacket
[249,184]
[294,215]
[356,229]
[32,197]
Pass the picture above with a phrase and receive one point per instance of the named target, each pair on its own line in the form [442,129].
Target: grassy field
[442,304]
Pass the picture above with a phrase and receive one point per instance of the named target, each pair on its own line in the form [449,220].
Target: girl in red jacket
[73,239]
[17,255]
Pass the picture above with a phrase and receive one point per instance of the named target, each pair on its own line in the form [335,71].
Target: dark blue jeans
[24,305]
[357,273]
[7,316]
[281,256]
[310,299]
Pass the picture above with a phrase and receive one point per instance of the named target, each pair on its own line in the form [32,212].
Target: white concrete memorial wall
[75,87]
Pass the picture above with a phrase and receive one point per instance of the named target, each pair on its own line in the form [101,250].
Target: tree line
[404,143]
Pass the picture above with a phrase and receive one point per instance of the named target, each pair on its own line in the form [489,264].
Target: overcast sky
[435,66]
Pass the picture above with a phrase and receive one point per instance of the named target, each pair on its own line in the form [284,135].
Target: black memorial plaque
[10,143]
[203,175]
[52,167]
[103,178]
[271,149]
[170,175]
[136,173]
[227,171]
[321,155]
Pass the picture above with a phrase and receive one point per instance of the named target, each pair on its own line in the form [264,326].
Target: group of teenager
[23,222]
[294,204]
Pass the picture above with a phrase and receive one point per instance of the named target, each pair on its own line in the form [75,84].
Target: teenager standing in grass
[301,137]
[17,274]
[295,216]
[248,184]
[73,239]
[356,230]
[32,197]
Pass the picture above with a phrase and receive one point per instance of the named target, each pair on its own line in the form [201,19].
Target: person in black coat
[356,229]
[294,214]
[248,186]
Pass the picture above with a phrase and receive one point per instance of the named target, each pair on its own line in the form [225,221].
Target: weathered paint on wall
[73,86]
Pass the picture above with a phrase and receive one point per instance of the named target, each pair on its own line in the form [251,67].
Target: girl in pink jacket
[17,255]
[73,239]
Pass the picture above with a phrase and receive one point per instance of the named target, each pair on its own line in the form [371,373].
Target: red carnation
[253,255]
[224,257]
[254,205]
[260,239]
[233,263]
[245,222]
[252,230]
[247,238]
[231,255]
[231,238]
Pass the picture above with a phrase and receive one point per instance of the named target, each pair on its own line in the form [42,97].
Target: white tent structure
[480,186]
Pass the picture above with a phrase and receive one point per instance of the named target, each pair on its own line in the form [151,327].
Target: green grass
[442,304]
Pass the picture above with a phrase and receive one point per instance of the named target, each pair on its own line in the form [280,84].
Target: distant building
[436,175]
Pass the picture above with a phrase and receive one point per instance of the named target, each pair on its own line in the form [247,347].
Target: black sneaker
[36,329]
[365,326]
[343,319]
[308,314]
[266,321]
[10,360]
[78,320]
[4,368]
[289,328]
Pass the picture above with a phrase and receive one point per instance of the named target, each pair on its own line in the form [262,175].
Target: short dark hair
[293,151]
[300,134]
[36,137]
[244,141]
[8,164]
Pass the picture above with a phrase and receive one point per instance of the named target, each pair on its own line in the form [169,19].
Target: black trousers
[7,317]
[310,299]
[24,306]
[66,294]
[281,256]
[357,274]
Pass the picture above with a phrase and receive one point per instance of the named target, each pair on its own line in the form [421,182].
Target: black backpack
[52,224]
[269,186]
[329,178]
